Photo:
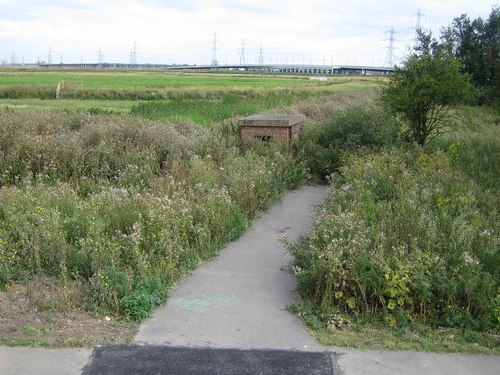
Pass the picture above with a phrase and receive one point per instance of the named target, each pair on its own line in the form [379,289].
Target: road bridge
[270,68]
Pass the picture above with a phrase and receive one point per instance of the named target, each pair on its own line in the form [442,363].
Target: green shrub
[343,132]
[147,294]
[359,126]
[404,234]
[137,305]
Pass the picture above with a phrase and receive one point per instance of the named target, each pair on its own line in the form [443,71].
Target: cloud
[181,31]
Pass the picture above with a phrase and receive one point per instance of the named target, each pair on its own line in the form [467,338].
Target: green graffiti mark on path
[205,301]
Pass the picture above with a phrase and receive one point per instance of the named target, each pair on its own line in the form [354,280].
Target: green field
[159,80]
[146,80]
[38,105]
[164,96]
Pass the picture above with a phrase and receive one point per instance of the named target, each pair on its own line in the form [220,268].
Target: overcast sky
[181,31]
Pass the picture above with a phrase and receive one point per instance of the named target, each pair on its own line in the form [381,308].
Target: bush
[404,235]
[328,144]
[137,305]
[147,294]
[424,90]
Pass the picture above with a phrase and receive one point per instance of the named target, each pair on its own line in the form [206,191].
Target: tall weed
[125,205]
[404,235]
[206,111]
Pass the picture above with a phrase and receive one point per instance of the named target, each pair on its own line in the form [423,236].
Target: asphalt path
[149,360]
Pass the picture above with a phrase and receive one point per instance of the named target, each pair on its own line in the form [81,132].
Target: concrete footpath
[238,300]
[228,317]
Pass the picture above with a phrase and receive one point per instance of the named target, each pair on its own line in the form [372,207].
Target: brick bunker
[270,128]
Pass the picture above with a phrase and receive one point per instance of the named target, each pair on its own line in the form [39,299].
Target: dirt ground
[30,316]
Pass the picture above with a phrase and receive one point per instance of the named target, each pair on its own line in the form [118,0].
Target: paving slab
[39,361]
[378,362]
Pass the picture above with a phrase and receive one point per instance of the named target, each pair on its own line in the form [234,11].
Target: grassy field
[69,105]
[164,96]
[150,79]
[16,79]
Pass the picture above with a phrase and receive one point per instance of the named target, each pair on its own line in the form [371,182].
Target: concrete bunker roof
[271,120]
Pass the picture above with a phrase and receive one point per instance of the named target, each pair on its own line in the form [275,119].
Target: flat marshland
[165,96]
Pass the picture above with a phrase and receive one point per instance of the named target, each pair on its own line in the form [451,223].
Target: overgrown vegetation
[409,238]
[207,111]
[328,143]
[407,244]
[125,206]
[114,209]
[119,207]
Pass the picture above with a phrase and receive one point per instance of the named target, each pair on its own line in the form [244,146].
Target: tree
[491,44]
[477,44]
[423,91]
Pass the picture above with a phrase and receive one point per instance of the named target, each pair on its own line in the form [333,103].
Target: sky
[354,32]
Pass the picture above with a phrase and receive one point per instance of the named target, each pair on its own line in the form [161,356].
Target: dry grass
[48,313]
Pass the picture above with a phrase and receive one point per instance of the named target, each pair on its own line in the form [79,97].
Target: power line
[242,53]
[419,16]
[214,51]
[418,26]
[389,60]
[100,57]
[261,56]
[133,55]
